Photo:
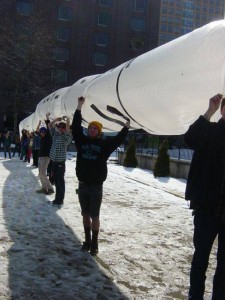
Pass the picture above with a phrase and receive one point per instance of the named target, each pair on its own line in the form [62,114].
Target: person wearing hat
[44,159]
[206,192]
[61,138]
[91,170]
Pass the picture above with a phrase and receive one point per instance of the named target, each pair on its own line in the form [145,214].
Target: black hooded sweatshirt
[207,170]
[93,153]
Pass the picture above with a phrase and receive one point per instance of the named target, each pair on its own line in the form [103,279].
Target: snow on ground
[145,238]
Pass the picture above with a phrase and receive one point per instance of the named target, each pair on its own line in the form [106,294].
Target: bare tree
[26,43]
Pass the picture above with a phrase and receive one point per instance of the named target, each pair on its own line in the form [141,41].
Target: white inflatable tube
[162,91]
[166,89]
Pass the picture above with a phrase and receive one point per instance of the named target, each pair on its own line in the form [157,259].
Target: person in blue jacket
[91,170]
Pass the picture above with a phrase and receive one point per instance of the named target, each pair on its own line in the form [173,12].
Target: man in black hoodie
[91,170]
[206,192]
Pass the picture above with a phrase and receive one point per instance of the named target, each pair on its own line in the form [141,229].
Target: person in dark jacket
[44,159]
[91,170]
[7,144]
[36,148]
[24,144]
[17,147]
[206,191]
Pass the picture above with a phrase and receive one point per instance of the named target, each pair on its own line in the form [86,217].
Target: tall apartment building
[93,36]
[97,35]
[178,17]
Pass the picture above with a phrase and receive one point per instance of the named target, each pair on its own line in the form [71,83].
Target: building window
[188,13]
[176,29]
[105,2]
[176,21]
[185,30]
[137,44]
[187,22]
[102,39]
[163,27]
[61,54]
[59,76]
[104,19]
[24,8]
[189,4]
[100,59]
[63,34]
[64,13]
[170,28]
[140,5]
[138,24]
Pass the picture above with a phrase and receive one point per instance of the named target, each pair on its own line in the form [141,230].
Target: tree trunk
[15,116]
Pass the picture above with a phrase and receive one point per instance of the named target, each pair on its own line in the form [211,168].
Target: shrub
[162,165]
[130,158]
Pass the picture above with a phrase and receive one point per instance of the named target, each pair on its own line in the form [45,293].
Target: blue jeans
[206,229]
[58,169]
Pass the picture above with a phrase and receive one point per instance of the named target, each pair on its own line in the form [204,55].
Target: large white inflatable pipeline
[162,91]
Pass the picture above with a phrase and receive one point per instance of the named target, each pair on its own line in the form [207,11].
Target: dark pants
[16,149]
[7,150]
[206,229]
[90,198]
[58,169]
[35,157]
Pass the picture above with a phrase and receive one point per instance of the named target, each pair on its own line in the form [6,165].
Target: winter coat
[45,144]
[207,170]
[6,141]
[36,142]
[92,154]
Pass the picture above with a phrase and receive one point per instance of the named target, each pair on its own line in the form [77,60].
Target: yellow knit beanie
[98,125]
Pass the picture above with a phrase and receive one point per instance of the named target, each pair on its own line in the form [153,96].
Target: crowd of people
[205,185]
[48,145]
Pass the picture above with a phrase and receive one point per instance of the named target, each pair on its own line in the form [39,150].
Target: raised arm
[214,104]
[38,126]
[114,142]
[67,124]
[77,129]
[198,133]
[53,122]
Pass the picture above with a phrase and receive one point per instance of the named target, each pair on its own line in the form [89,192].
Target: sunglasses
[42,131]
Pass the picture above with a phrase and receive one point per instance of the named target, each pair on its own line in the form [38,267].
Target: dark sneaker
[86,246]
[43,191]
[56,203]
[50,191]
[94,250]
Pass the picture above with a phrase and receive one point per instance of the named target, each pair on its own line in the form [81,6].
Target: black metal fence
[149,144]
